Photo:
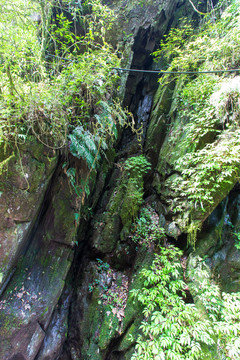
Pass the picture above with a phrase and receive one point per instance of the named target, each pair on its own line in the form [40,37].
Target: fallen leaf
[114,311]
[121,313]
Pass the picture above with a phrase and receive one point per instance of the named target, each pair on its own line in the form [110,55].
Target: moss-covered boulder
[203,164]
[123,205]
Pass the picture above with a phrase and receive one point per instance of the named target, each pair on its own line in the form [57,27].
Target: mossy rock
[109,328]
[122,208]
[133,311]
[129,338]
[64,219]
[132,201]
[106,233]
[100,326]
[22,188]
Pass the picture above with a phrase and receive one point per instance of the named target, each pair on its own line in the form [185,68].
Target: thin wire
[176,72]
[155,71]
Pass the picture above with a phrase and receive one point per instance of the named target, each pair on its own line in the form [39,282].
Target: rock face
[23,183]
[172,179]
[217,242]
[33,293]
[66,285]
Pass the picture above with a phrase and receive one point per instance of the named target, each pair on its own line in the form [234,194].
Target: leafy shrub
[215,45]
[237,240]
[60,88]
[173,329]
[204,135]
[146,229]
[220,307]
[84,146]
[137,166]
[45,93]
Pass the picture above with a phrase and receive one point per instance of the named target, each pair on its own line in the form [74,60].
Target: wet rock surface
[218,239]
[35,288]
[23,184]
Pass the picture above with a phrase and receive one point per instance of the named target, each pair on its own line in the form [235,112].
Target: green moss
[90,327]
[128,354]
[129,194]
[38,150]
[45,261]
[93,315]
[203,132]
[64,221]
[4,164]
[123,207]
[109,328]
[129,338]
[133,308]
[117,198]
[192,231]
[109,235]
[131,204]
[37,176]
[8,322]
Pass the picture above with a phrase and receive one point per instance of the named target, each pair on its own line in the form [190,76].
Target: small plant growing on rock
[146,229]
[130,191]
[137,166]
[237,240]
[102,266]
[173,329]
